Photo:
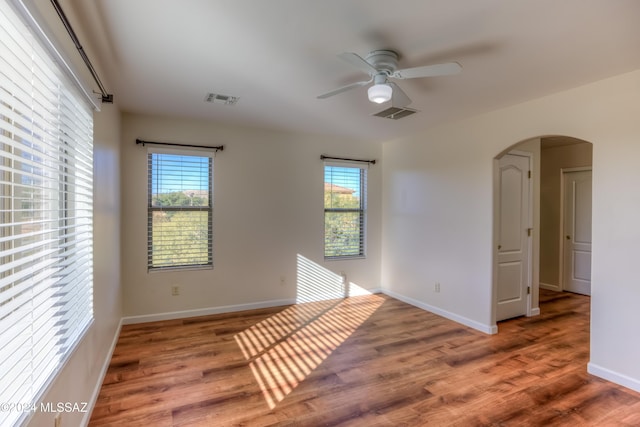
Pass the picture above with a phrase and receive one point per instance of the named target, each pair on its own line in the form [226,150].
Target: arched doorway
[532,248]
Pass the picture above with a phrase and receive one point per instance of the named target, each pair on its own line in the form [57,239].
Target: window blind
[345,191]
[180,208]
[46,228]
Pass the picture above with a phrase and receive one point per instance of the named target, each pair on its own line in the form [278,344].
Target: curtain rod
[323,157]
[106,97]
[208,147]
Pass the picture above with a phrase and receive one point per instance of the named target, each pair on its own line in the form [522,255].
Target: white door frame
[563,172]
[530,221]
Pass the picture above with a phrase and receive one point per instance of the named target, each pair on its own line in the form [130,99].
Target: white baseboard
[130,320]
[487,329]
[613,376]
[103,372]
[550,287]
[358,291]
[535,312]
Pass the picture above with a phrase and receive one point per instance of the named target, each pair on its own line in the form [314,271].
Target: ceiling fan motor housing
[383,60]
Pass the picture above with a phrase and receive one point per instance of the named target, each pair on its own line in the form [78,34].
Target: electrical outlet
[57,421]
[436,288]
[175,290]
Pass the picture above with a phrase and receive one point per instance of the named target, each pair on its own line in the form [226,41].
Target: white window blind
[46,204]
[180,210]
[345,201]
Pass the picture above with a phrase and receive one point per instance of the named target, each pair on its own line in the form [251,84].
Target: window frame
[361,210]
[151,209]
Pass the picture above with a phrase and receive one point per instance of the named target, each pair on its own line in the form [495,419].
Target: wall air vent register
[395,113]
[216,98]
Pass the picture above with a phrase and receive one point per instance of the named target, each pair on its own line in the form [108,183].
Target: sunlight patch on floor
[285,348]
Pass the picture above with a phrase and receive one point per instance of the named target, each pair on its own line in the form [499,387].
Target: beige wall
[554,159]
[268,212]
[438,211]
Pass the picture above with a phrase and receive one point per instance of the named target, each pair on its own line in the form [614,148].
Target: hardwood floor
[362,361]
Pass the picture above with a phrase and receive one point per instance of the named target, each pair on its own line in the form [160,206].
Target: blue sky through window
[177,173]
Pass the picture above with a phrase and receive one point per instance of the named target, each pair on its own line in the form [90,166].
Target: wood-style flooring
[362,361]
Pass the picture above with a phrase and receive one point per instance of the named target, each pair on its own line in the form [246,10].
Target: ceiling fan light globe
[380,93]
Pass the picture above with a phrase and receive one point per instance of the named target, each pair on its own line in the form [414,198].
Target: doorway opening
[542,222]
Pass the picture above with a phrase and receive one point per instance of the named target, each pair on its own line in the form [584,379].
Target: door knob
[568,237]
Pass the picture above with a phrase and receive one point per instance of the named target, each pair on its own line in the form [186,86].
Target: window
[46,217]
[345,201]
[180,210]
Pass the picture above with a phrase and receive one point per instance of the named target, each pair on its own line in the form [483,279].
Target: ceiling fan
[381,65]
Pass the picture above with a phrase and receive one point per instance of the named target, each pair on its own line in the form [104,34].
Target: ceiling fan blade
[344,89]
[399,98]
[358,62]
[445,69]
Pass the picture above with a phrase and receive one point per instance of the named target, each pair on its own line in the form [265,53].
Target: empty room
[312,213]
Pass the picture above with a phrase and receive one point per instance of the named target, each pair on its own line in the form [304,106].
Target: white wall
[268,210]
[437,204]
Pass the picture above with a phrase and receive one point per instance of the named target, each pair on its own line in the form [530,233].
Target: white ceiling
[163,56]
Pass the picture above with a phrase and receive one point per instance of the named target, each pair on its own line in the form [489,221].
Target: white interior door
[513,240]
[576,265]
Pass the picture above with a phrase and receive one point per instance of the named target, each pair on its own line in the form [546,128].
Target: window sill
[345,258]
[179,268]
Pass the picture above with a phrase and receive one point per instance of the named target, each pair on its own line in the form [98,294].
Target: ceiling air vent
[216,98]
[395,113]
